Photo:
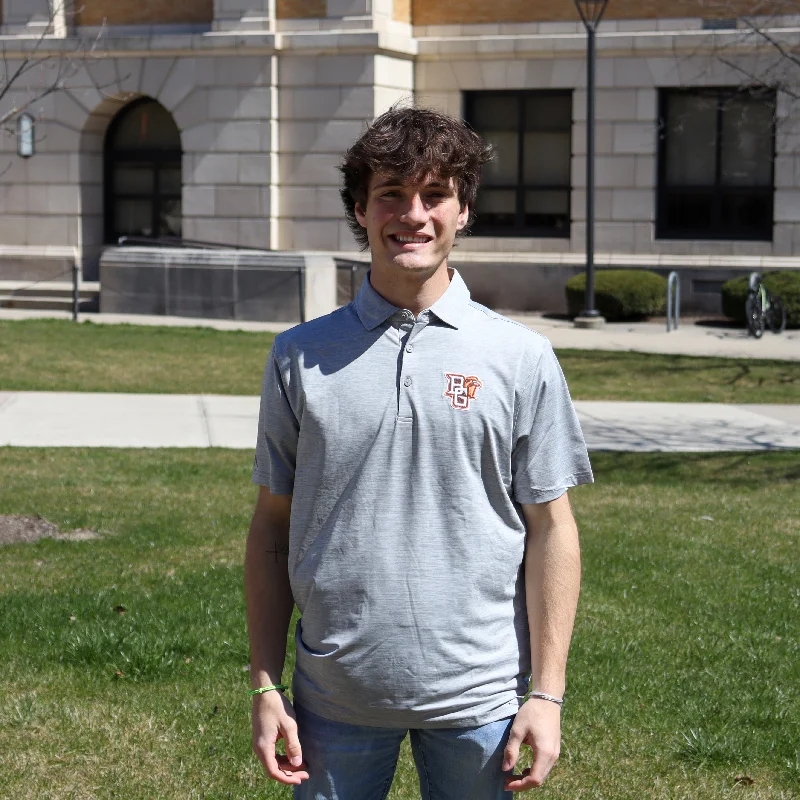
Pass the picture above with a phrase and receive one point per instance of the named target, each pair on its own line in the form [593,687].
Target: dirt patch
[16,529]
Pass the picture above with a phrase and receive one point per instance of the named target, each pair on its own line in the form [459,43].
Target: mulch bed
[18,529]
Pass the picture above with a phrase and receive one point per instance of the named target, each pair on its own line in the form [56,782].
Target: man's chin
[413,264]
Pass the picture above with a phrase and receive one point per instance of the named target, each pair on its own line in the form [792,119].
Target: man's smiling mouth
[410,238]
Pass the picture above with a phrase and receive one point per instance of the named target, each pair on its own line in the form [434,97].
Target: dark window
[142,173]
[525,190]
[715,164]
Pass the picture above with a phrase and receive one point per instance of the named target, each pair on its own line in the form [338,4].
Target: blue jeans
[357,762]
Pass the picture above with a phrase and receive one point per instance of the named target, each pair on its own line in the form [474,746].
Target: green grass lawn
[122,658]
[41,355]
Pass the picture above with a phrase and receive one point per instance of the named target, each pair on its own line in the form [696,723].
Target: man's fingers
[533,776]
[277,766]
[264,747]
[290,773]
[293,749]
[519,783]
[511,753]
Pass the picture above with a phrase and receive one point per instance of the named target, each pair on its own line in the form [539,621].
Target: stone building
[224,120]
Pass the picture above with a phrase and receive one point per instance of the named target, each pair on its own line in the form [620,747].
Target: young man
[414,455]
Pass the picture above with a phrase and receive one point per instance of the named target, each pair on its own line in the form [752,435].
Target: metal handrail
[673,305]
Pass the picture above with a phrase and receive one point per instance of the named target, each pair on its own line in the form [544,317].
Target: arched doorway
[142,153]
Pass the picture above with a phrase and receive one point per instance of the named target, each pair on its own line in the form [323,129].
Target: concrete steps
[49,295]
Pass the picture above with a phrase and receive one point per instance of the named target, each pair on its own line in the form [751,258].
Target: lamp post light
[25,146]
[591,12]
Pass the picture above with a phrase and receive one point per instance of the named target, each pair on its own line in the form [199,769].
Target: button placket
[408,332]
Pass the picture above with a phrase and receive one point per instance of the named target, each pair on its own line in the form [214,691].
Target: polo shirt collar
[451,305]
[372,309]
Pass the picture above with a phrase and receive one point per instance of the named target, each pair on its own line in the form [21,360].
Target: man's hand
[537,724]
[274,719]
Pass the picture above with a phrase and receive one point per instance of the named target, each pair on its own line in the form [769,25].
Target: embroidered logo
[461,389]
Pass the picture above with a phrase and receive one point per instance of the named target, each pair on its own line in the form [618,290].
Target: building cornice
[216,43]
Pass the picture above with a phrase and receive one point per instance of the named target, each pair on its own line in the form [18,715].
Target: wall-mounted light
[25,135]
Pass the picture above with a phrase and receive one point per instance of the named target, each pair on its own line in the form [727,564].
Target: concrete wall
[323,104]
[223,110]
[219,284]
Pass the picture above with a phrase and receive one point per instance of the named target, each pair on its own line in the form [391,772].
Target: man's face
[411,226]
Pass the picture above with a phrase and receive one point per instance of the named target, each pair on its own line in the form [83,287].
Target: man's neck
[414,292]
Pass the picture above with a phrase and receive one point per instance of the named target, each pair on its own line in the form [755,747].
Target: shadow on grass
[717,469]
[660,362]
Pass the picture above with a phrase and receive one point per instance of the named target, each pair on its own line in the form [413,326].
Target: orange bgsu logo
[461,389]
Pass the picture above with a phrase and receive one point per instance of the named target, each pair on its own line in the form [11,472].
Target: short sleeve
[549,454]
[278,428]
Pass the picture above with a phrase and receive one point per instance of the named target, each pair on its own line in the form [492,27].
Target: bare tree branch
[65,64]
[765,25]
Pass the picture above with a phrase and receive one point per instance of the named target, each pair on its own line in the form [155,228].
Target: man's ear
[360,216]
[463,218]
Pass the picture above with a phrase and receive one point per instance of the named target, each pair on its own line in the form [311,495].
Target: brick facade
[300,9]
[464,12]
[143,12]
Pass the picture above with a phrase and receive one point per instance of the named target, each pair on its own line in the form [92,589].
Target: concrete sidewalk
[642,337]
[691,339]
[61,419]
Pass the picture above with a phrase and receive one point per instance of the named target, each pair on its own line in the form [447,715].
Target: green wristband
[279,686]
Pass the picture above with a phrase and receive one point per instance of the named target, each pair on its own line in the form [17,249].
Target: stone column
[63,18]
[320,286]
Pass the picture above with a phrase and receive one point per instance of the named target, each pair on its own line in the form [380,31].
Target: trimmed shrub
[785,285]
[619,294]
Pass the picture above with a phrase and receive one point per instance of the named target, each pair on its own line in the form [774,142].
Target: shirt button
[407,382]
[410,348]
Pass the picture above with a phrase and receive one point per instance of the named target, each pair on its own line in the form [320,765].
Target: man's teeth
[410,239]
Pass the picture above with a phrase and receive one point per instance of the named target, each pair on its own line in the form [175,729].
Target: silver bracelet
[544,696]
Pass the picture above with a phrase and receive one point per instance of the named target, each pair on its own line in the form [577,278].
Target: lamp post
[591,12]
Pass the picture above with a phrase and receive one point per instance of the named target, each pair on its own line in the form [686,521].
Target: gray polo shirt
[408,446]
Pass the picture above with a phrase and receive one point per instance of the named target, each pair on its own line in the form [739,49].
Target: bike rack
[673,301]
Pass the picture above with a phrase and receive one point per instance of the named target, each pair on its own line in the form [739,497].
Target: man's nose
[414,209]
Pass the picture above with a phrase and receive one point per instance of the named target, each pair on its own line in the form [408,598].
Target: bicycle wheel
[754,314]
[776,315]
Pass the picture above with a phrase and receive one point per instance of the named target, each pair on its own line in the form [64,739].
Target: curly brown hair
[411,144]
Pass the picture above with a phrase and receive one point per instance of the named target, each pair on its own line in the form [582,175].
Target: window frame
[520,187]
[720,230]
[155,160]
